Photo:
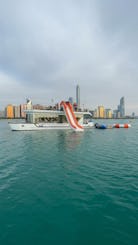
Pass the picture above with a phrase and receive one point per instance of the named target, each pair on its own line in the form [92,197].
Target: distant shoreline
[4,118]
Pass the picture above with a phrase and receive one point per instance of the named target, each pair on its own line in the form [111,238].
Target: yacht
[65,118]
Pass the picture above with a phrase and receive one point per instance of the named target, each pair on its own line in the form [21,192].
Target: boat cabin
[51,116]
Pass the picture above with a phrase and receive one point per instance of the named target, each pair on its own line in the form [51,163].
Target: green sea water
[62,187]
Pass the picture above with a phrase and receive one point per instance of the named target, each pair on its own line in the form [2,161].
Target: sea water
[62,187]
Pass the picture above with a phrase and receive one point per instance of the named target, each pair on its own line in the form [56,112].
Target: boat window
[87,116]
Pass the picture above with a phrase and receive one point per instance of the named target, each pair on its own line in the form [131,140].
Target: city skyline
[17,111]
[48,48]
[120,108]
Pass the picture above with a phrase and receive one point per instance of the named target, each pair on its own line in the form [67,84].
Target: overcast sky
[47,47]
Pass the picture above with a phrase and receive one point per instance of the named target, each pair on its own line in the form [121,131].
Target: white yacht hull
[43,126]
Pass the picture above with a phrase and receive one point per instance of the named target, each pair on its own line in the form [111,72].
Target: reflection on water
[69,140]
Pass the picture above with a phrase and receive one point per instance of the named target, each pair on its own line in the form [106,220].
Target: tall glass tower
[78,96]
[122,107]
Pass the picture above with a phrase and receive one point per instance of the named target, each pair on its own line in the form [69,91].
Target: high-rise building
[96,113]
[17,112]
[115,113]
[23,107]
[101,111]
[9,111]
[122,107]
[108,113]
[78,96]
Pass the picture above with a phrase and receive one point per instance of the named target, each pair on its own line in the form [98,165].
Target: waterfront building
[23,107]
[78,96]
[96,113]
[118,114]
[101,111]
[9,111]
[122,107]
[115,112]
[108,113]
[39,107]
[17,112]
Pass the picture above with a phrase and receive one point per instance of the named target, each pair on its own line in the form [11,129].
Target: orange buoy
[126,125]
[117,126]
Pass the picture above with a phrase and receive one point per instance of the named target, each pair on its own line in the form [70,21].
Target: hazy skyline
[48,47]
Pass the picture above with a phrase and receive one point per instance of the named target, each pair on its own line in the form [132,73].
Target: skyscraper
[78,96]
[122,107]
